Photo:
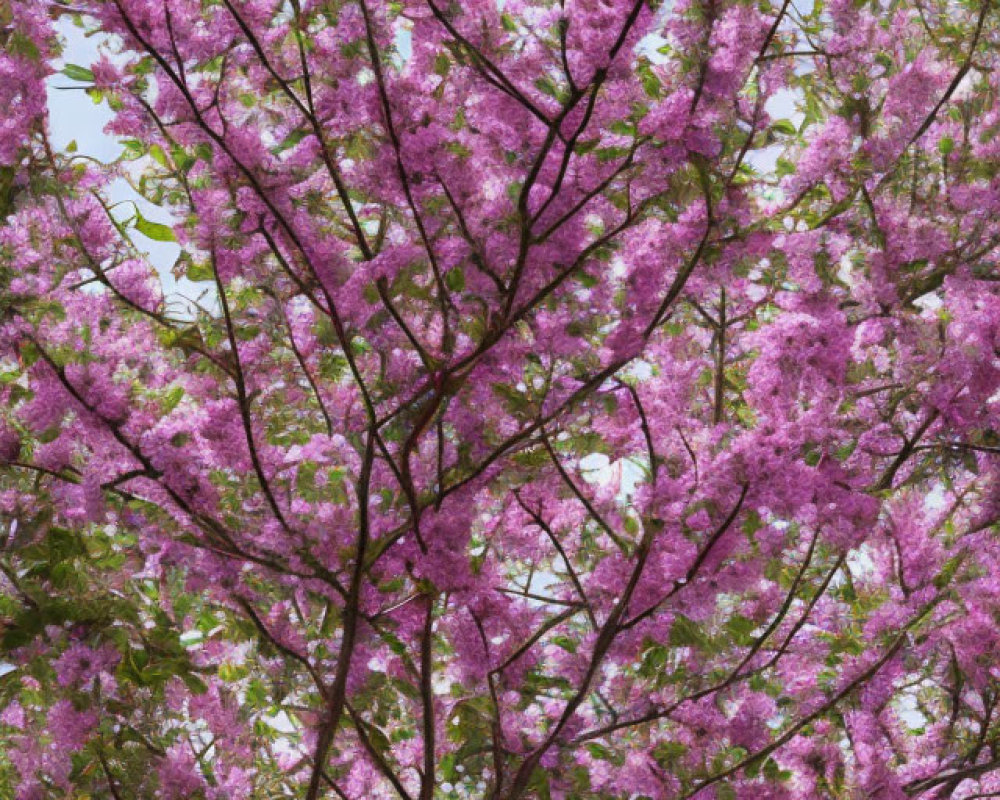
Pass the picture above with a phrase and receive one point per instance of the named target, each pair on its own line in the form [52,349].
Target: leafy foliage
[586,400]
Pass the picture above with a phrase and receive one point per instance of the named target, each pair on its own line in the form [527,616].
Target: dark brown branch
[380,762]
[579,495]
[310,115]
[824,709]
[243,401]
[692,571]
[338,692]
[427,781]
[574,578]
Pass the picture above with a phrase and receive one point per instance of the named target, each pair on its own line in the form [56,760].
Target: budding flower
[10,444]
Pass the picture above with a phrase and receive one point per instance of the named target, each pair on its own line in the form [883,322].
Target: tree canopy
[585,399]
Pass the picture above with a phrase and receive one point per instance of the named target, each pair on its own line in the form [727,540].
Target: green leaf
[187,339]
[153,230]
[548,86]
[29,354]
[447,767]
[133,149]
[182,159]
[157,154]
[199,271]
[539,784]
[172,399]
[288,142]
[600,751]
[724,791]
[741,629]
[667,753]
[19,44]
[775,773]
[194,684]
[844,452]
[441,64]
[946,145]
[651,84]
[944,577]
[611,153]
[784,167]
[454,279]
[623,127]
[785,126]
[686,633]
[77,73]
[458,149]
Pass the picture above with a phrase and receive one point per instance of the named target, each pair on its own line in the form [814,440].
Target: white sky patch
[929,302]
[935,499]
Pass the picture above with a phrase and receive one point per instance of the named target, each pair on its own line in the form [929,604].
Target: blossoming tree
[556,423]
